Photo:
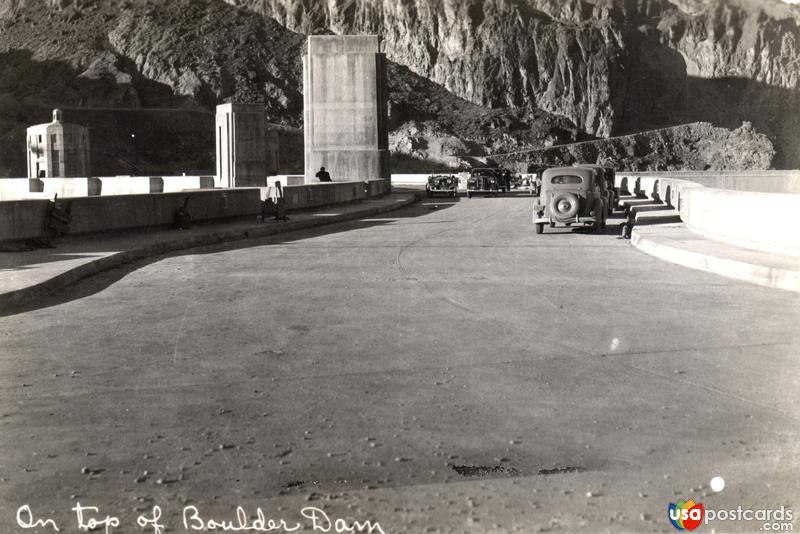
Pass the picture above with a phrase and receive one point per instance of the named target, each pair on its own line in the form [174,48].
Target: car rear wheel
[564,205]
[539,228]
[469,194]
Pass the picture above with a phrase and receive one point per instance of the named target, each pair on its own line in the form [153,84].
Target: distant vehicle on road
[486,180]
[440,183]
[570,195]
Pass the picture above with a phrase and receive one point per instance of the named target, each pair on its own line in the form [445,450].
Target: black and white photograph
[399,266]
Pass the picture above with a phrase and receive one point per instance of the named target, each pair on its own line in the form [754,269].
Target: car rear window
[566,179]
[483,172]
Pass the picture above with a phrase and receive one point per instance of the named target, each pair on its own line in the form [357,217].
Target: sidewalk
[27,275]
[676,244]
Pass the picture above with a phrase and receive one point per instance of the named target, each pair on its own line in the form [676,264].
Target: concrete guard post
[345,110]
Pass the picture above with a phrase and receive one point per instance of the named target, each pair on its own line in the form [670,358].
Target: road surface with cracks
[437,369]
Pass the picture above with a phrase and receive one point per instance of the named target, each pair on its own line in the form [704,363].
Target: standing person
[278,202]
[323,175]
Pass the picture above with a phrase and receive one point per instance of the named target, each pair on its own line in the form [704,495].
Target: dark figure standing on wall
[323,175]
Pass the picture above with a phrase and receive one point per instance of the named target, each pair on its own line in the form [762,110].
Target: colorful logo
[686,515]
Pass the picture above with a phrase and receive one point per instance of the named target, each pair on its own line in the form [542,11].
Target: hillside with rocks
[611,67]
[700,146]
[467,77]
[191,55]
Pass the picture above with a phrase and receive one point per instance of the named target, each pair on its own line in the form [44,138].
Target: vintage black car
[440,183]
[610,192]
[486,180]
[571,195]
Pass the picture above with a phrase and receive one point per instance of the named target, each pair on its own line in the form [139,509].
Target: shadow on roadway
[98,282]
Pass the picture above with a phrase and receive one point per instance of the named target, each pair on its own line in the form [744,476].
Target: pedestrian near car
[323,175]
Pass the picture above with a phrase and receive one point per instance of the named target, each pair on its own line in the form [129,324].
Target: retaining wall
[763,221]
[26,219]
[24,188]
[756,181]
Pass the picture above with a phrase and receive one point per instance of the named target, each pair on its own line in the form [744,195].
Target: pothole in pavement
[562,470]
[500,470]
[484,470]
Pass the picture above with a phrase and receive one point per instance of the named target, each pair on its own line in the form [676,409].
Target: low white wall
[410,179]
[287,179]
[14,188]
[23,188]
[760,221]
[755,220]
[174,184]
[131,185]
[756,181]
[71,187]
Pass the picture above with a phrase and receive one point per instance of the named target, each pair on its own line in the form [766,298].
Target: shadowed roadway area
[446,370]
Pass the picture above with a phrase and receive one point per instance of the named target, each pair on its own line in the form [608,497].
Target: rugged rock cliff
[610,66]
[468,77]
[193,54]
[700,146]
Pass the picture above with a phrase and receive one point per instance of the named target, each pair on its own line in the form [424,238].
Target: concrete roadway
[436,370]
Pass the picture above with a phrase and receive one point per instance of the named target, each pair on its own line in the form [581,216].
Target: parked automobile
[611,192]
[570,195]
[486,180]
[440,183]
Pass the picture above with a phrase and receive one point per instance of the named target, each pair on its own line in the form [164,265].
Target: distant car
[610,192]
[440,183]
[570,195]
[486,180]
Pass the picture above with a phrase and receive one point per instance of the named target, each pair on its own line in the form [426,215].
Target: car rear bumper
[439,190]
[571,220]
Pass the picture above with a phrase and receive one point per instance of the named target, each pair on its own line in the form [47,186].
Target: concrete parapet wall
[760,221]
[410,179]
[284,179]
[131,185]
[23,188]
[27,219]
[756,181]
[16,188]
[376,188]
[99,214]
[22,219]
[183,183]
[71,187]
[329,193]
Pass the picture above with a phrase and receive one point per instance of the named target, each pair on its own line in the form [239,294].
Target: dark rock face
[495,53]
[467,77]
[698,146]
[609,66]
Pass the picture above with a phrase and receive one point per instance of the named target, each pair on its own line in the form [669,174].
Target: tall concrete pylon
[345,109]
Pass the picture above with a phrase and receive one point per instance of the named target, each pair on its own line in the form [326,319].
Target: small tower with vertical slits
[58,149]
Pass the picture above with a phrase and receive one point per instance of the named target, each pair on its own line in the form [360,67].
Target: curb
[25,295]
[773,277]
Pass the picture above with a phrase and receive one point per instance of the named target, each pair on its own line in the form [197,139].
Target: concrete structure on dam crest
[57,149]
[247,148]
[345,111]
